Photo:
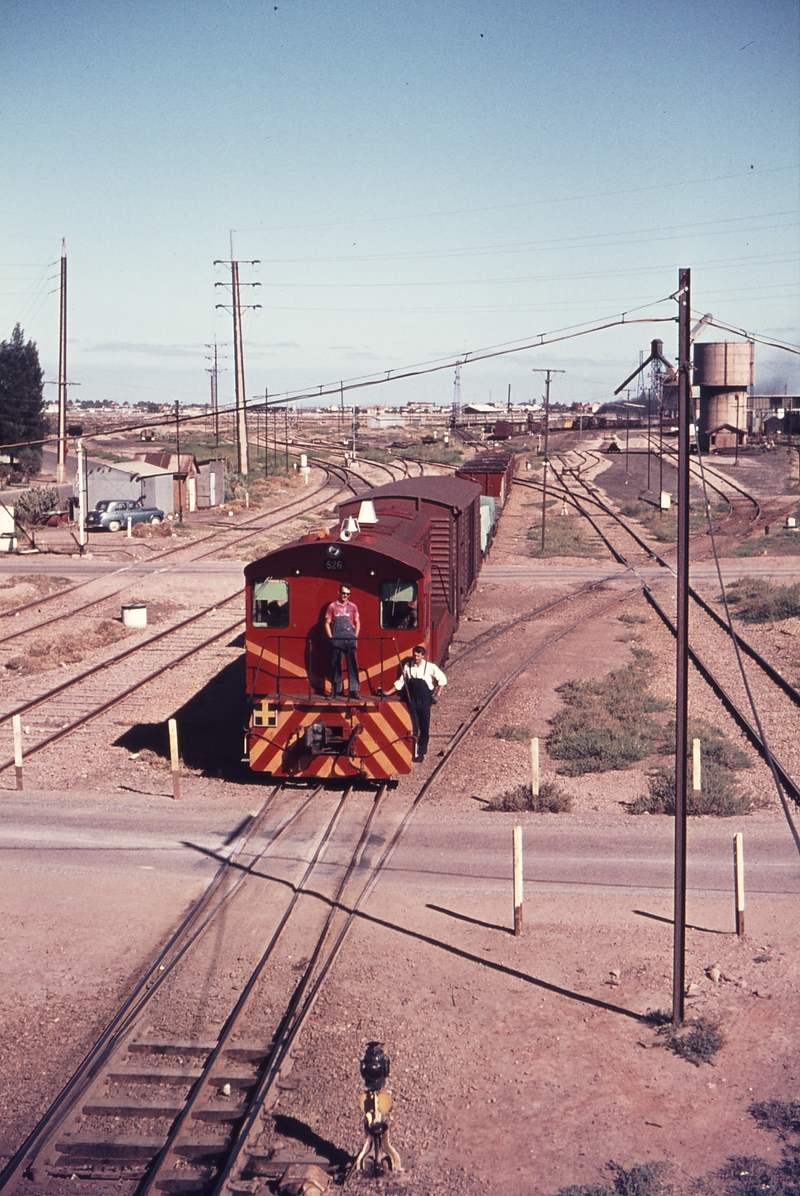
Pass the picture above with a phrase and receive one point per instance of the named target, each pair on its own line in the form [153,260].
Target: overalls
[420,697]
[343,643]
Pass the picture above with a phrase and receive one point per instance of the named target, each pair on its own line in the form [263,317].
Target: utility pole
[61,463]
[242,453]
[178,455]
[547,374]
[213,372]
[682,641]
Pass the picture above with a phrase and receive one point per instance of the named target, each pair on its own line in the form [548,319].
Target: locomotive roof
[442,491]
[368,542]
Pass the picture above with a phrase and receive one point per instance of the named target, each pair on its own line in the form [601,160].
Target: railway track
[761,685]
[175,1095]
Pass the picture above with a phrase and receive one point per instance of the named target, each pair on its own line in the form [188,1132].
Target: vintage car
[111,514]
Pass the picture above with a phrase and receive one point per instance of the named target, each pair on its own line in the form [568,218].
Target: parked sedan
[113,513]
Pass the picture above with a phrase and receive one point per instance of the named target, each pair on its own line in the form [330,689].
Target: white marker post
[517,881]
[738,880]
[174,758]
[534,768]
[697,780]
[17,725]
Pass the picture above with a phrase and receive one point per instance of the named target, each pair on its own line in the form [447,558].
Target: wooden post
[696,769]
[517,881]
[738,880]
[534,768]
[130,527]
[17,725]
[174,758]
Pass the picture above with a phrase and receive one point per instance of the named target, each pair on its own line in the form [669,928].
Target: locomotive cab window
[398,604]
[270,603]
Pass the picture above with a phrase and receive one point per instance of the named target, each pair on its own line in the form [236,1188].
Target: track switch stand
[376,1103]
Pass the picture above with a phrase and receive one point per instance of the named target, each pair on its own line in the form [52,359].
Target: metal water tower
[724,371]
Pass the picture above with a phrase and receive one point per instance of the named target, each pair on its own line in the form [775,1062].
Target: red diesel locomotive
[410,554]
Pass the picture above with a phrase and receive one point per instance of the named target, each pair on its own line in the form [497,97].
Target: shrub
[780,1116]
[601,725]
[697,1041]
[550,799]
[513,731]
[629,617]
[35,504]
[720,794]
[714,747]
[643,1179]
[759,601]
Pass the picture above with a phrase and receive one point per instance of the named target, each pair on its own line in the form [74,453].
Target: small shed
[131,480]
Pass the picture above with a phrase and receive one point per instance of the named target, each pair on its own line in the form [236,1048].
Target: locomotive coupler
[376,1104]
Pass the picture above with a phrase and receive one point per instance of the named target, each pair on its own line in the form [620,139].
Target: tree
[22,418]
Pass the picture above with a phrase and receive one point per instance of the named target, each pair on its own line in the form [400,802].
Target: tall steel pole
[547,374]
[682,640]
[61,463]
[242,451]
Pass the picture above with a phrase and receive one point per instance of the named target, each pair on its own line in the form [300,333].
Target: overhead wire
[738,655]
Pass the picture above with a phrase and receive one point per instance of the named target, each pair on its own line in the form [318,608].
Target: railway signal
[376,1104]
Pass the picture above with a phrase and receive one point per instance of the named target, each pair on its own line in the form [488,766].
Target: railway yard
[189,985]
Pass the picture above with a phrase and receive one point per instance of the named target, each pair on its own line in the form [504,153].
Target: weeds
[697,1041]
[759,601]
[715,748]
[564,537]
[601,725]
[643,1179]
[720,795]
[662,525]
[780,1116]
[516,732]
[630,618]
[550,799]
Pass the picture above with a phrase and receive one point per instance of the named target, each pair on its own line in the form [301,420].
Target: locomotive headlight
[334,550]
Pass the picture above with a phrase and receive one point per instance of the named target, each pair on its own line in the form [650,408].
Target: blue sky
[418,180]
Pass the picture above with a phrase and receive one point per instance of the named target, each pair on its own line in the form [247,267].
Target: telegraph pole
[547,374]
[61,464]
[242,452]
[682,640]
[213,372]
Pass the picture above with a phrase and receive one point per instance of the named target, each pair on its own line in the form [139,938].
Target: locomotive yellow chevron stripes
[378,732]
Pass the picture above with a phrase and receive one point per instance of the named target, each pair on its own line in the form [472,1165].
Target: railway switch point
[376,1104]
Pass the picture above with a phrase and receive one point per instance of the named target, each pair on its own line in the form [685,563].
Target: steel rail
[124,1021]
[774,675]
[120,656]
[752,733]
[223,1187]
[167,1157]
[120,696]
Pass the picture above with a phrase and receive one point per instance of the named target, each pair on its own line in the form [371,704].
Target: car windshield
[101,506]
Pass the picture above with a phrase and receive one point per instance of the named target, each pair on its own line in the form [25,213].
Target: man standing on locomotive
[422,680]
[343,627]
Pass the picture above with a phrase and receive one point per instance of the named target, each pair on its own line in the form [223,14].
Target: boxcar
[452,509]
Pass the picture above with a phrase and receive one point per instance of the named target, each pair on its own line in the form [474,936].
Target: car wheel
[154,519]
[114,525]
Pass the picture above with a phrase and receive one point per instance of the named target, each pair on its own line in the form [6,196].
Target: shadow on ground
[210,729]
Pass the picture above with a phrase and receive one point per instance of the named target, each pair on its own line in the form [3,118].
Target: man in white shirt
[421,679]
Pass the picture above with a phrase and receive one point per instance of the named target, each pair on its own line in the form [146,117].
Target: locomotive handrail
[274,670]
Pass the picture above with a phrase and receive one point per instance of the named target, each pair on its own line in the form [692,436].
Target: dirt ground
[519,1065]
